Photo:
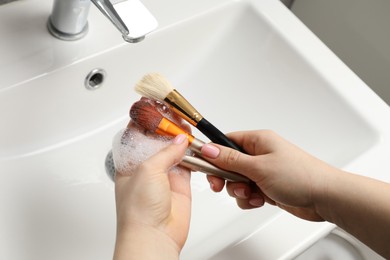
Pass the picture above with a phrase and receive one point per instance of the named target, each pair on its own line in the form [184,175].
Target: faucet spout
[69,18]
[130,17]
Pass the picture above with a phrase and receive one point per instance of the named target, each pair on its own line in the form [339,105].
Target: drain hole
[95,79]
[109,165]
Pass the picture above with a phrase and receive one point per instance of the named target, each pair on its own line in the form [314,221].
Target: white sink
[253,59]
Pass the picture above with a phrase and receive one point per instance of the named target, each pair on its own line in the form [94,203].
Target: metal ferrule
[183,108]
[192,163]
[197,164]
[196,146]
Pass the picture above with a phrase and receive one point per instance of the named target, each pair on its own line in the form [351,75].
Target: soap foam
[133,145]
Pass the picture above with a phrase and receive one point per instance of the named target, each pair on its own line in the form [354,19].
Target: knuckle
[232,157]
[267,134]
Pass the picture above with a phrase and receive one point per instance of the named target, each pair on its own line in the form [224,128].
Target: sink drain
[109,165]
[95,79]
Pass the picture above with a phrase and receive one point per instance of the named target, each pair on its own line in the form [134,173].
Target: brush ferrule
[196,146]
[198,164]
[167,127]
[182,107]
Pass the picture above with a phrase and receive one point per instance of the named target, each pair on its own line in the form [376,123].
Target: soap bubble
[133,145]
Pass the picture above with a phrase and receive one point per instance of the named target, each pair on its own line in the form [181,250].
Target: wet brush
[146,115]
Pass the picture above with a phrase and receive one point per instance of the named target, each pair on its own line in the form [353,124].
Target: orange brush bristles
[146,116]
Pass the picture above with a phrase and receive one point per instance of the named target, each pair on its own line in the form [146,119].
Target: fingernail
[179,139]
[210,151]
[240,193]
[256,202]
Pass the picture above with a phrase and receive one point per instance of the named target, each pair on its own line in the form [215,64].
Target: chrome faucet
[68,20]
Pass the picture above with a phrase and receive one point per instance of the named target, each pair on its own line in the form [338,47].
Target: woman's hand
[285,175]
[154,206]
[304,186]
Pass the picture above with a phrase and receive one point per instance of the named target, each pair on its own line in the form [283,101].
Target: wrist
[140,241]
[329,185]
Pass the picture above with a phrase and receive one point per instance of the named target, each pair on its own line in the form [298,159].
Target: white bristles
[153,86]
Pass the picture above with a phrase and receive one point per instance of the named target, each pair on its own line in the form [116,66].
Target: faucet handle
[130,17]
[109,11]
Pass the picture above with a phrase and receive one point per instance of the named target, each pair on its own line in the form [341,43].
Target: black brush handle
[216,136]
[220,138]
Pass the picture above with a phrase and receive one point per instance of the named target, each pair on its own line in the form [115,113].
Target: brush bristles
[145,115]
[154,86]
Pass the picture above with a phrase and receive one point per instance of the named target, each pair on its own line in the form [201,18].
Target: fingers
[226,158]
[255,142]
[170,155]
[245,196]
[216,183]
[238,190]
[254,202]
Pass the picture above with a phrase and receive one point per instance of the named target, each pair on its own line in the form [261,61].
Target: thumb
[170,155]
[227,158]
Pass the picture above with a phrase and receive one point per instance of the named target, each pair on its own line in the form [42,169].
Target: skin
[305,186]
[154,206]
[153,198]
[154,202]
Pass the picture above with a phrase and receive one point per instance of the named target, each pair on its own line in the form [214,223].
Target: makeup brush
[200,165]
[147,116]
[191,163]
[155,86]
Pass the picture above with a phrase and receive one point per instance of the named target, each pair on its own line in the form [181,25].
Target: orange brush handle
[167,127]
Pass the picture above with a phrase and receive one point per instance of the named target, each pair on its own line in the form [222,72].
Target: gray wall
[5,1]
[357,31]
[288,3]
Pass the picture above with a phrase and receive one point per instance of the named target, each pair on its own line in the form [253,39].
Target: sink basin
[242,64]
